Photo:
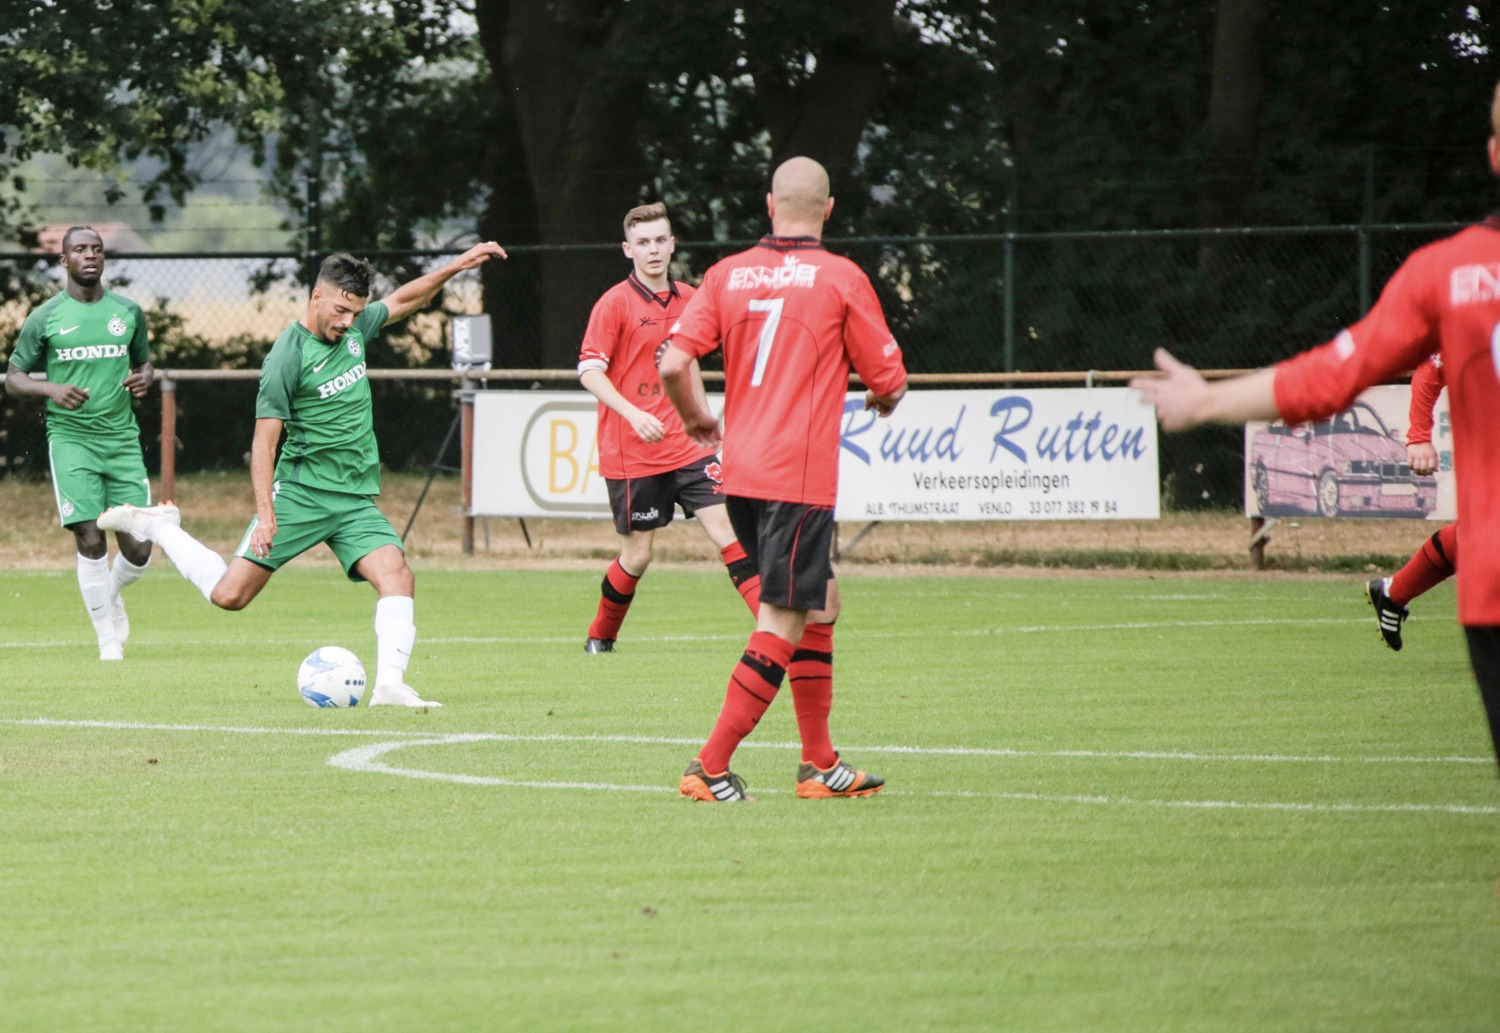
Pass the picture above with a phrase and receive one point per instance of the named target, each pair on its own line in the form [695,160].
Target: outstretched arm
[410,296]
[1184,400]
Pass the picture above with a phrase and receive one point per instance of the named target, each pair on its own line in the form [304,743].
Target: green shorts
[352,526]
[89,477]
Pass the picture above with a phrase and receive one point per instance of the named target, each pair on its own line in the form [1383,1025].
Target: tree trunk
[1234,108]
[565,71]
[824,116]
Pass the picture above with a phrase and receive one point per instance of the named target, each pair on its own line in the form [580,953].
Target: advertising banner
[1069,454]
[1353,465]
[1059,454]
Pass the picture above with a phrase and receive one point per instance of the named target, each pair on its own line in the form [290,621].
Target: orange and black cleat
[697,784]
[839,780]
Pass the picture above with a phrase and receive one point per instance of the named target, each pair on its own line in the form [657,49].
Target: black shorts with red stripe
[791,546]
[646,503]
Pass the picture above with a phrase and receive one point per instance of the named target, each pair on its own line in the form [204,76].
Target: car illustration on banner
[1350,465]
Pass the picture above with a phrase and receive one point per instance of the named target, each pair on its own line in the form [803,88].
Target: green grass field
[1114,804]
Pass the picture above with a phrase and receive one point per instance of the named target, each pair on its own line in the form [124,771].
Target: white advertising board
[1069,454]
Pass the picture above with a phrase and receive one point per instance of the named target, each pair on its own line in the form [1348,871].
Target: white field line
[751,744]
[368,759]
[526,640]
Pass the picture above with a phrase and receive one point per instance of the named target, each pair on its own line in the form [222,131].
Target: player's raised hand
[479,254]
[1177,391]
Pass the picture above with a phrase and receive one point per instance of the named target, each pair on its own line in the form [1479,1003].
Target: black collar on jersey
[651,295]
[776,243]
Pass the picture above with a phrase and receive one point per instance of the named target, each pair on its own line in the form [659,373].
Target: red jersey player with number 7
[792,319]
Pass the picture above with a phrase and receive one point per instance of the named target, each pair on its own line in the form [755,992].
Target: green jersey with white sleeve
[92,345]
[320,392]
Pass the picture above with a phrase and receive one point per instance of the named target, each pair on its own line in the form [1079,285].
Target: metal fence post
[1365,264]
[1008,356]
[168,435]
[466,462]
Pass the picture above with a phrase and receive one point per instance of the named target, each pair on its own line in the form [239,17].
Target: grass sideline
[1115,804]
[217,506]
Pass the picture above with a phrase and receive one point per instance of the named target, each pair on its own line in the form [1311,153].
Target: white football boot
[140,521]
[399,695]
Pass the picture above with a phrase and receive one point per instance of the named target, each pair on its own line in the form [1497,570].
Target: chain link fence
[1028,302]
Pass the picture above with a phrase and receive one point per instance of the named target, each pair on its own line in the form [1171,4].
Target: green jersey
[320,392]
[92,345]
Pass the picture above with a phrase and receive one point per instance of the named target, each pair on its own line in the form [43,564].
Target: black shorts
[1484,657]
[646,503]
[791,546]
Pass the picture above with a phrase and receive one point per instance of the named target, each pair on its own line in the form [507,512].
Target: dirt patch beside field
[216,508]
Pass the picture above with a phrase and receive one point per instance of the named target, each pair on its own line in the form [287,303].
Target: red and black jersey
[792,319]
[1445,299]
[627,324]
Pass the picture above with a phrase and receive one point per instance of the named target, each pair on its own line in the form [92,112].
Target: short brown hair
[645,213]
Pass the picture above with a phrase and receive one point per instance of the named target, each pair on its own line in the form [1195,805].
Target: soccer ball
[331,677]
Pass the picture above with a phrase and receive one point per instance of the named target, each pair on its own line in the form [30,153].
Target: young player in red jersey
[1436,561]
[1445,298]
[791,318]
[646,459]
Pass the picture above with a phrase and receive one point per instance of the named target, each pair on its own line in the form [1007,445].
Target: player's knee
[134,550]
[89,540]
[229,599]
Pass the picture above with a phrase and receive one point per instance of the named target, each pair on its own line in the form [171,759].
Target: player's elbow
[674,363]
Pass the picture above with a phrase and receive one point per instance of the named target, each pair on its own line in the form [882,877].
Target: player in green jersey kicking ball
[322,489]
[91,344]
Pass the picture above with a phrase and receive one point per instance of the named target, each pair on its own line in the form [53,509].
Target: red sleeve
[1396,335]
[697,329]
[872,349]
[603,332]
[1426,385]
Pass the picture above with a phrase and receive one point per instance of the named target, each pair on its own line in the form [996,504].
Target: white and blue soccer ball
[331,676]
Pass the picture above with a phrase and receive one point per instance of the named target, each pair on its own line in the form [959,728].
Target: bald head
[799,202]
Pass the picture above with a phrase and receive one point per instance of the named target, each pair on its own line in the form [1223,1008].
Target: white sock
[93,582]
[395,634]
[193,560]
[122,572]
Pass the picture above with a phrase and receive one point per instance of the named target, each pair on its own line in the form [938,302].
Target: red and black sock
[1433,564]
[811,677]
[615,594]
[744,575]
[753,685]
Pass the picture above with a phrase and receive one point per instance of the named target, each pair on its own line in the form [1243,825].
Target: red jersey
[627,324]
[1426,385]
[792,318]
[1445,298]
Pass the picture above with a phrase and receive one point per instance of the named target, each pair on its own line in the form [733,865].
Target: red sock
[1433,564]
[742,572]
[753,685]
[615,594]
[811,677]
